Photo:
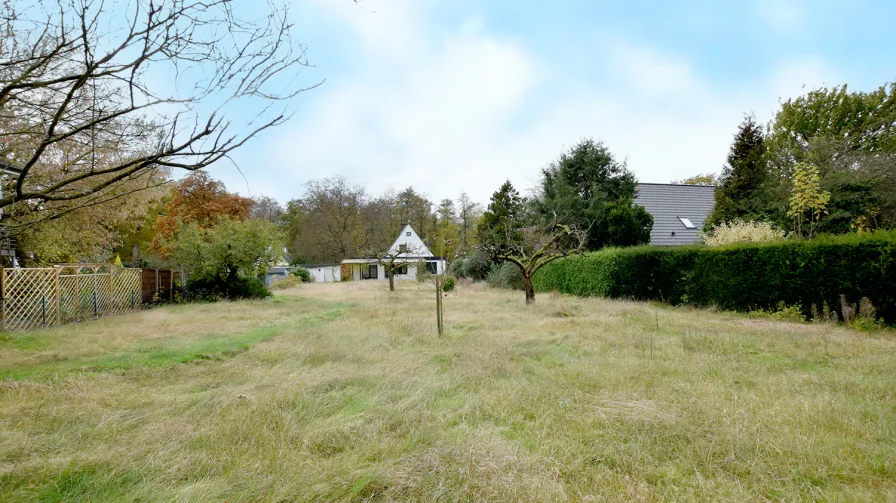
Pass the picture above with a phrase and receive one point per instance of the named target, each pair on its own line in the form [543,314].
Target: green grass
[343,392]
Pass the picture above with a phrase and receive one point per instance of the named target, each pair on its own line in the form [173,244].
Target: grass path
[343,392]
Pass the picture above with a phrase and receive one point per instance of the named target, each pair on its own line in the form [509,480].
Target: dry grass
[343,392]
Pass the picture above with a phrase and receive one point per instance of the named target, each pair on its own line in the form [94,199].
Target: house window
[432,267]
[403,248]
[687,223]
[401,269]
[369,272]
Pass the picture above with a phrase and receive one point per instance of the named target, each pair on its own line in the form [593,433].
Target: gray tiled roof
[666,203]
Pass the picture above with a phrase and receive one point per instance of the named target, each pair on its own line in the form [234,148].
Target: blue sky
[451,96]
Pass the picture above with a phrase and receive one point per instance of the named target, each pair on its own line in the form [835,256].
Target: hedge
[740,277]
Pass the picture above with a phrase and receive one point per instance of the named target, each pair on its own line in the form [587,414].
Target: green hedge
[740,277]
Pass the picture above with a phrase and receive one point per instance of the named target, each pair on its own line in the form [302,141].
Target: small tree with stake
[510,233]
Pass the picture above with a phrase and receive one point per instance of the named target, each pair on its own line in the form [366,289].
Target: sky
[461,95]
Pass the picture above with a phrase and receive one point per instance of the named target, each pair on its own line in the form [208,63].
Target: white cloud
[465,110]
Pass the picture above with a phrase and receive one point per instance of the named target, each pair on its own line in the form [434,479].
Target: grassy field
[343,392]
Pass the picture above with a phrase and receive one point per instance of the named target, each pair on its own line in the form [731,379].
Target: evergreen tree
[587,188]
[740,194]
[502,222]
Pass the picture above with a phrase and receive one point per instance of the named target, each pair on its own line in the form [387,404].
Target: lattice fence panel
[30,298]
[34,298]
[125,290]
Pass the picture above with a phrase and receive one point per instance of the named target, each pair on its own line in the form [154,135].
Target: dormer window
[687,223]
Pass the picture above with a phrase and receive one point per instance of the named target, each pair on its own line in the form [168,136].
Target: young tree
[582,187]
[808,202]
[509,233]
[81,73]
[739,194]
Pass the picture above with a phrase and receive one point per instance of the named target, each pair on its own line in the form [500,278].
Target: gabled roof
[669,204]
[416,248]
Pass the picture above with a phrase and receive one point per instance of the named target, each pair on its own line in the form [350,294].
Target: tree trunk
[391,275]
[439,325]
[530,289]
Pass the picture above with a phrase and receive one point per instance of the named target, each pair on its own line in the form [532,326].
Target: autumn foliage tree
[201,200]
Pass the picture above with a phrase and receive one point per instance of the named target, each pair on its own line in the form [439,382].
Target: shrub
[448,284]
[303,274]
[236,287]
[477,266]
[506,275]
[739,231]
[457,268]
[742,277]
[289,281]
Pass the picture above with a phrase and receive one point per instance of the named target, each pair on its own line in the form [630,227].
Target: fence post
[43,309]
[132,301]
[3,297]
[58,301]
[96,314]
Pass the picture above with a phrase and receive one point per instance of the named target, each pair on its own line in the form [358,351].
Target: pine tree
[739,194]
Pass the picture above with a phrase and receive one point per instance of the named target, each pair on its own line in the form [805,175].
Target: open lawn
[343,392]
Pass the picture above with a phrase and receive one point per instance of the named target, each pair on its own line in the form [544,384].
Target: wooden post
[158,285]
[58,303]
[171,282]
[140,287]
[109,305]
[3,297]
[77,312]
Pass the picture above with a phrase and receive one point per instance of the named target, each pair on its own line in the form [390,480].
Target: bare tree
[531,248]
[85,104]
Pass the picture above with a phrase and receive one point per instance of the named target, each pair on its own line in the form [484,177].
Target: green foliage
[739,194]
[587,188]
[477,266]
[502,222]
[808,202]
[448,284]
[227,287]
[743,277]
[225,261]
[506,275]
[303,274]
[457,268]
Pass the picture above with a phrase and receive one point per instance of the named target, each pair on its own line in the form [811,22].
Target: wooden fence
[51,296]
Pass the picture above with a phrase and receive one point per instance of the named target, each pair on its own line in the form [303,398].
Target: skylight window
[687,223]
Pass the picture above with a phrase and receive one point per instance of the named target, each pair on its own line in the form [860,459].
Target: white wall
[327,274]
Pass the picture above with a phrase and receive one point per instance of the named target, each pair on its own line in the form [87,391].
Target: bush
[477,266]
[448,284]
[289,281]
[739,231]
[457,268]
[506,275]
[303,274]
[237,287]
[743,277]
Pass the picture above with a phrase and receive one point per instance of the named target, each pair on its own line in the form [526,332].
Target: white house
[408,250]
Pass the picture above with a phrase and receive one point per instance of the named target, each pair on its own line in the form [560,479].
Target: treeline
[826,164]
[335,219]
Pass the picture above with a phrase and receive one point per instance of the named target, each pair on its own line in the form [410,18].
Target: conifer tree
[739,195]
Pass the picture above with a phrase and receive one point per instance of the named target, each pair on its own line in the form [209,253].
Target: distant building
[409,251]
[679,211]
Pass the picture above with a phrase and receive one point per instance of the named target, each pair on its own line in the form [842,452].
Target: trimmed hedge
[740,277]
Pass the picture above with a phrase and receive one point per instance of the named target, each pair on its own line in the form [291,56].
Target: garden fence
[51,296]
